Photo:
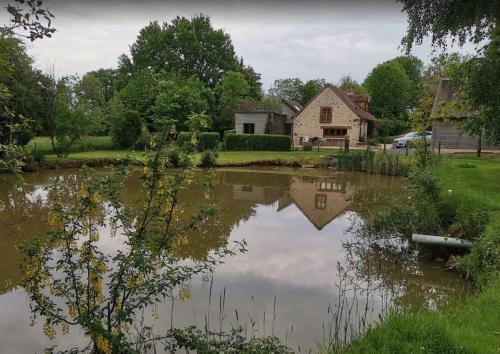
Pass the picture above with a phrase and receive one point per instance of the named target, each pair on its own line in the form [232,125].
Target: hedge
[257,142]
[208,141]
[184,137]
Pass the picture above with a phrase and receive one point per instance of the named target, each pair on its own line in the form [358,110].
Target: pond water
[305,267]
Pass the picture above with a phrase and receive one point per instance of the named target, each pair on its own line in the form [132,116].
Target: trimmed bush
[307,146]
[208,158]
[126,130]
[230,131]
[208,141]
[250,142]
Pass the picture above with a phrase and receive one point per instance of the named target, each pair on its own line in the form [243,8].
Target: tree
[177,98]
[460,20]
[72,282]
[72,117]
[310,89]
[287,89]
[107,79]
[189,47]
[253,80]
[29,19]
[463,21]
[233,90]
[413,67]
[390,90]
[347,82]
[21,92]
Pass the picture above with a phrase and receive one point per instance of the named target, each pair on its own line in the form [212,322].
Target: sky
[279,39]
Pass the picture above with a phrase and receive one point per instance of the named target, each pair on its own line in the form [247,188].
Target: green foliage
[234,342]
[189,47]
[483,262]
[126,129]
[230,131]
[459,19]
[208,141]
[250,142]
[20,93]
[307,146]
[347,82]
[188,141]
[73,118]
[372,162]
[295,89]
[29,19]
[208,158]
[198,122]
[233,90]
[174,155]
[11,158]
[72,282]
[176,100]
[390,89]
[391,126]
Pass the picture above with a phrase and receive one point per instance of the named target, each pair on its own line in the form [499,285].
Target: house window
[334,132]
[248,128]
[325,115]
[320,201]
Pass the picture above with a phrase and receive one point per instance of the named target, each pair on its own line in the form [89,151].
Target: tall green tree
[390,89]
[287,89]
[347,82]
[309,89]
[189,47]
[176,99]
[233,90]
[464,21]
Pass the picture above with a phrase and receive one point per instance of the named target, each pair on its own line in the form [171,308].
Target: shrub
[208,158]
[126,129]
[208,141]
[307,146]
[257,142]
[388,126]
[173,154]
[186,141]
[230,131]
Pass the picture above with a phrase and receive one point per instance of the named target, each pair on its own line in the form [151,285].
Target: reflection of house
[320,200]
[334,115]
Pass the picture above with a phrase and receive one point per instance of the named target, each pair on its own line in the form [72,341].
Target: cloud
[279,39]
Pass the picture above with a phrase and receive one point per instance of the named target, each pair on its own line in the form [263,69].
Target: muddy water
[304,255]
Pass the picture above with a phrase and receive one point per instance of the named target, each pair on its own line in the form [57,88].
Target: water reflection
[300,227]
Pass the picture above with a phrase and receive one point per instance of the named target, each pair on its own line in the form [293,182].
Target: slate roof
[294,105]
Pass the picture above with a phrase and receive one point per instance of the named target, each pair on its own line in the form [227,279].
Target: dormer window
[325,115]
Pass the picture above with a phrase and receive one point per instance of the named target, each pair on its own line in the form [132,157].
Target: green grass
[226,158]
[473,327]
[472,176]
[90,143]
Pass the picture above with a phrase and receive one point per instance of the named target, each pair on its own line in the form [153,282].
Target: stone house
[257,121]
[333,115]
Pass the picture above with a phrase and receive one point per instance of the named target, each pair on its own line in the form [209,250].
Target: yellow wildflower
[185,294]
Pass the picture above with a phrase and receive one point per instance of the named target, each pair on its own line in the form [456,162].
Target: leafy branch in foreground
[30,19]
[72,281]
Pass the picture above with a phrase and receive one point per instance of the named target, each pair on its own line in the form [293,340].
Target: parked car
[406,139]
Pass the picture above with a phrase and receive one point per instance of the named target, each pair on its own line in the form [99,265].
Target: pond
[307,268]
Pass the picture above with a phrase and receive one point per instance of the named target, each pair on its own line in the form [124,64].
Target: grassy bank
[225,158]
[472,327]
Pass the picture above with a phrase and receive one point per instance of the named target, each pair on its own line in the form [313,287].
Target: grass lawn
[89,143]
[226,158]
[472,327]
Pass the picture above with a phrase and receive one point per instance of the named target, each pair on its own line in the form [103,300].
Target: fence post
[439,147]
[346,144]
[406,148]
[384,148]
